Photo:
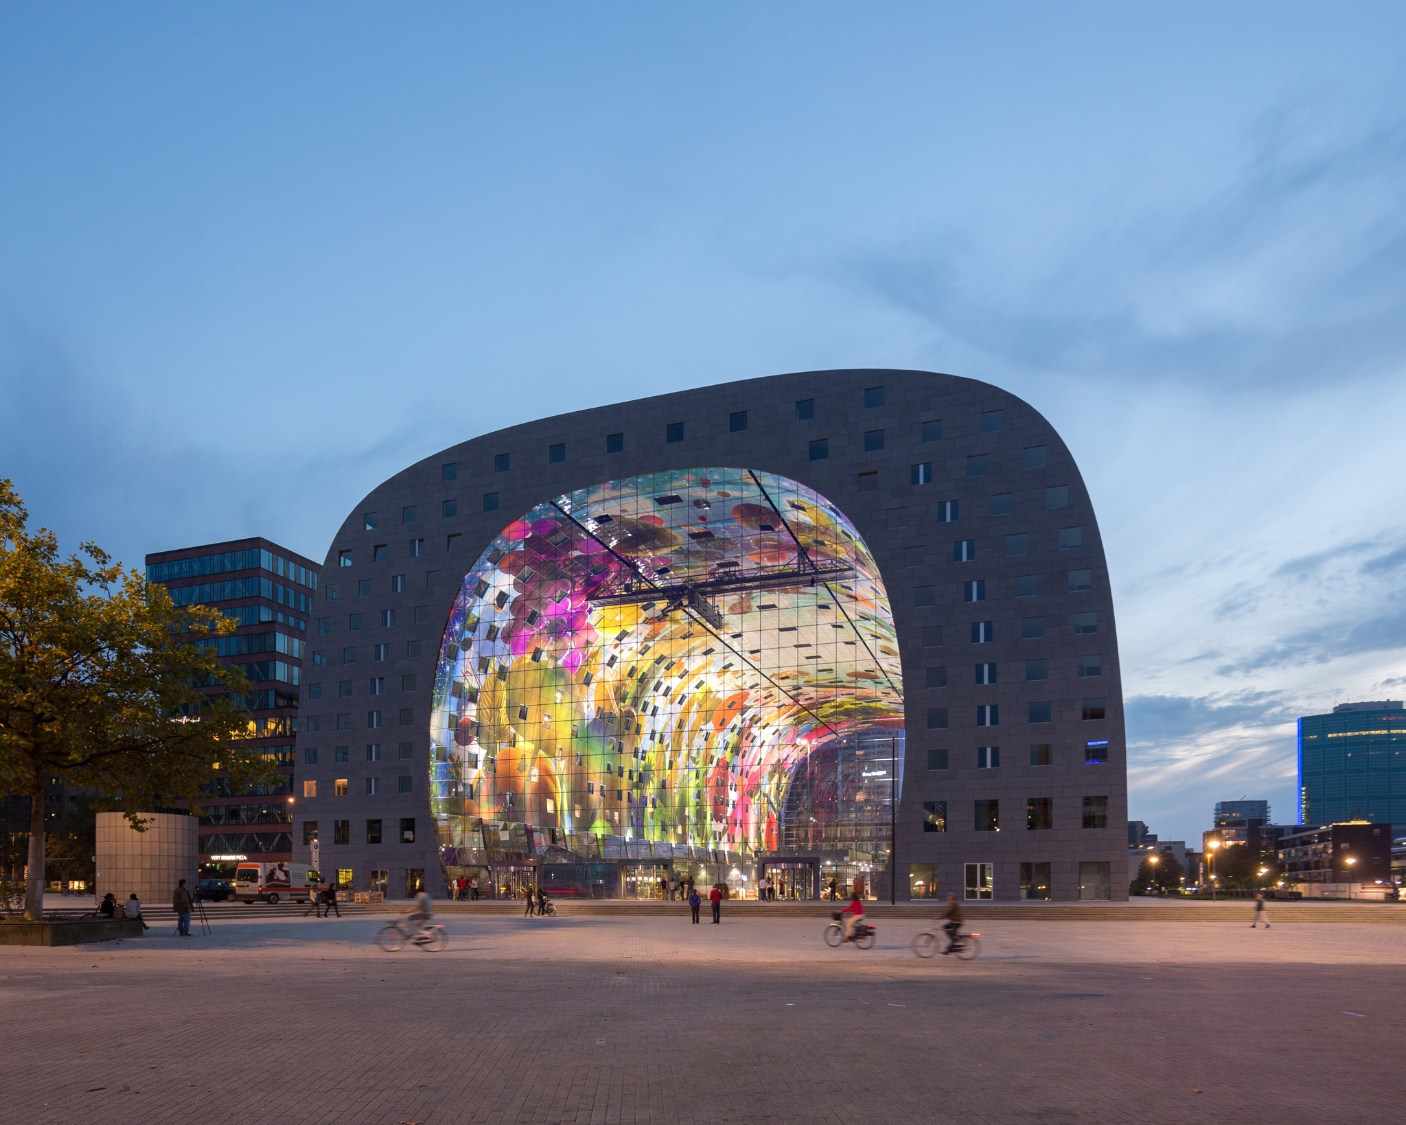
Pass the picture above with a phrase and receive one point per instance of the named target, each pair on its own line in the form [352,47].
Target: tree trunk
[34,876]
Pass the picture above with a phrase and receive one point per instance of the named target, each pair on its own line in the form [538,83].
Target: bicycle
[546,909]
[966,946]
[863,936]
[393,937]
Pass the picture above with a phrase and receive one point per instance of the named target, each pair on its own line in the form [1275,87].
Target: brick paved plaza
[639,1018]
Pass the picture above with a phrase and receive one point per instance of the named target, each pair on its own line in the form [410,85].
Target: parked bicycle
[393,937]
[964,946]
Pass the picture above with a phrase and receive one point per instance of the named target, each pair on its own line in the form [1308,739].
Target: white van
[274,882]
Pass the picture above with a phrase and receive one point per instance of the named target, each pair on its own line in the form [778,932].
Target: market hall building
[825,627]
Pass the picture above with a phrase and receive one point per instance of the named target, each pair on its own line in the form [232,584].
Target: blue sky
[1177,230]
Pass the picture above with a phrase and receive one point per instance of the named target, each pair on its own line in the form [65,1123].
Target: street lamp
[1350,861]
[1211,846]
[1152,859]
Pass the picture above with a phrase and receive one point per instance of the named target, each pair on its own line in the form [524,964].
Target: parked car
[214,890]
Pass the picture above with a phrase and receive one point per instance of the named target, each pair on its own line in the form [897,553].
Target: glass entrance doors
[513,880]
[790,879]
[645,880]
[979,880]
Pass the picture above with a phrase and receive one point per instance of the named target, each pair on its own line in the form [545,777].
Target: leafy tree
[105,684]
[1164,875]
[1237,867]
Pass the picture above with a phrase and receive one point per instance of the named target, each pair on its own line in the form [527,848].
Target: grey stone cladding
[1020,506]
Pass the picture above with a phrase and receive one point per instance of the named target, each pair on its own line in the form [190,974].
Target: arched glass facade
[658,659]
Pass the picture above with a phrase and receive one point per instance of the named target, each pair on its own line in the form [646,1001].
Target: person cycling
[852,915]
[952,922]
[421,912]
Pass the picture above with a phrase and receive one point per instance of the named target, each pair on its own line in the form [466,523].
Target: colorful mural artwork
[653,658]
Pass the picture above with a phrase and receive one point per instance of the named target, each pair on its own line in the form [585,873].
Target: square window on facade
[820,449]
[1094,709]
[873,441]
[407,716]
[381,652]
[1090,666]
[869,482]
[344,558]
[314,691]
[449,471]
[920,474]
[397,583]
[407,682]
[924,596]
[310,790]
[976,466]
[1085,623]
[737,421]
[1034,880]
[556,453]
[319,660]
[988,715]
[373,831]
[380,553]
[936,677]
[406,785]
[412,648]
[873,396]
[1057,497]
[1017,545]
[373,752]
[1080,580]
[932,636]
[964,550]
[1039,813]
[310,756]
[406,750]
[407,515]
[992,421]
[805,410]
[1040,754]
[937,718]
[332,591]
[373,786]
[912,556]
[363,587]
[615,443]
[407,824]
[1034,457]
[341,754]
[417,548]
[354,621]
[341,829]
[935,816]
[1095,880]
[1032,628]
[451,542]
[490,501]
[377,685]
[324,624]
[1096,752]
[974,591]
[1070,538]
[985,674]
[988,757]
[1037,670]
[988,819]
[344,720]
[897,517]
[502,462]
[932,431]
[309,826]
[947,511]
[370,520]
[983,632]
[1095,812]
[340,787]
[373,719]
[1039,712]
[1003,504]
[937,759]
[344,689]
[673,432]
[1026,586]
[449,509]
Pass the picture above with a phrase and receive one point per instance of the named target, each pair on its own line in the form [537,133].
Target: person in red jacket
[852,915]
[715,896]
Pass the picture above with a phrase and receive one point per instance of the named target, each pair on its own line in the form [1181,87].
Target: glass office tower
[1352,764]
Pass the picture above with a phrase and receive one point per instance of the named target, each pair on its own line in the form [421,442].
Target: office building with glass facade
[1352,764]
[269,591]
[819,627]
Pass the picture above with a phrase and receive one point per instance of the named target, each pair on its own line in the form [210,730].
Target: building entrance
[642,880]
[791,878]
[513,880]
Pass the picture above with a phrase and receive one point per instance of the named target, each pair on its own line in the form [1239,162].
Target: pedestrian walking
[531,904]
[181,903]
[133,909]
[473,889]
[329,901]
[715,896]
[695,900]
[1259,912]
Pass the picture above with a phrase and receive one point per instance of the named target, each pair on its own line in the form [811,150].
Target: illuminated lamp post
[1152,859]
[1350,861]
[1211,846]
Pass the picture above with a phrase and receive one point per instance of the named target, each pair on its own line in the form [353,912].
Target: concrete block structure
[148,863]
[846,628]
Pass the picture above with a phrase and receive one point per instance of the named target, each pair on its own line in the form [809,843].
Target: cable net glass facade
[657,659]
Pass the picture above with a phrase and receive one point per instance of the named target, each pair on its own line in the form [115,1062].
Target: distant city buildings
[1352,765]
[268,590]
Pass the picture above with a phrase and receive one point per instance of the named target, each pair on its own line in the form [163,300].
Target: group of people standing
[464,889]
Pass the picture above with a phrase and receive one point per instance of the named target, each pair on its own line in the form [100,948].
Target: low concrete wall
[149,863]
[68,932]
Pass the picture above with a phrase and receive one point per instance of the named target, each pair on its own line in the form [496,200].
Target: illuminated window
[309,790]
[339,787]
